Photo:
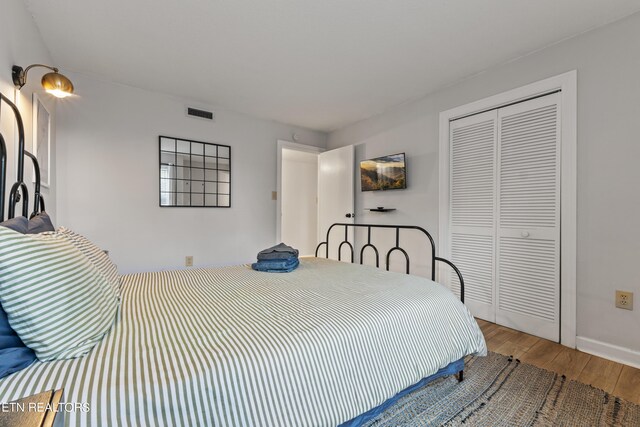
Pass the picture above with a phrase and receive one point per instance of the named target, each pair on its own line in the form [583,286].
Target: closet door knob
[525,234]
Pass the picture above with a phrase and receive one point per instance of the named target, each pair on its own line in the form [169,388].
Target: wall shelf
[381,209]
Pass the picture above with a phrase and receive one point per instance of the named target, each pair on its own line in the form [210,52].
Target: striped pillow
[96,255]
[59,304]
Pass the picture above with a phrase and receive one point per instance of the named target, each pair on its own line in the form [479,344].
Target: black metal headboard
[38,200]
[19,189]
[395,248]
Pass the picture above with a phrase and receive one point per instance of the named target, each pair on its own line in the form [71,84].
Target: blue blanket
[276,266]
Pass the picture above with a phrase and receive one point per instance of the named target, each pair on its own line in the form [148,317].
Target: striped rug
[501,391]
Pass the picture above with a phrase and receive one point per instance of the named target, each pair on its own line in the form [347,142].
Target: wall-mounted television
[384,173]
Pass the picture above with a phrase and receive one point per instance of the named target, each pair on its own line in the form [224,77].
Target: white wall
[108,178]
[608,64]
[21,44]
[299,200]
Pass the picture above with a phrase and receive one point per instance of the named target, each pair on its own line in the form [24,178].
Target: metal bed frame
[397,247]
[19,189]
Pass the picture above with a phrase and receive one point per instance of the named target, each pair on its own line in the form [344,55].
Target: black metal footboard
[397,247]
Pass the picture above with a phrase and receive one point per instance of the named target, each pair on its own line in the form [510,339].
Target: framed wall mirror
[194,173]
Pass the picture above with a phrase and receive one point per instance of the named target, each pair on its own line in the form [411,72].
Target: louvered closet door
[528,246]
[472,222]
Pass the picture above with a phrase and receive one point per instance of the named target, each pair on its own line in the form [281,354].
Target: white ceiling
[321,64]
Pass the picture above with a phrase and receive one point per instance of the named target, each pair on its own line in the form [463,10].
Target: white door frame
[282,144]
[567,84]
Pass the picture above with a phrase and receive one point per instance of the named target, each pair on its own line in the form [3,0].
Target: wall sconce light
[54,83]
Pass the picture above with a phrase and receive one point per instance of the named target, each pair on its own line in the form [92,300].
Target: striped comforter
[232,346]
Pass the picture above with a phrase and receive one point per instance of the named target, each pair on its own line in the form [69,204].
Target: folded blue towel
[276,266]
[273,264]
[279,251]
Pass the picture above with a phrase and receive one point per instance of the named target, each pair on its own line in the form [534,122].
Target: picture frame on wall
[42,139]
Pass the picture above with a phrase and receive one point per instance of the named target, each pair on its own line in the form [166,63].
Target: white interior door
[472,215]
[335,194]
[528,243]
[505,214]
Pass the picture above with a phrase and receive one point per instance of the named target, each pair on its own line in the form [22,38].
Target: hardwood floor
[615,378]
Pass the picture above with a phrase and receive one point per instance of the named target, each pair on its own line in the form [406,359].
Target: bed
[319,346]
[231,346]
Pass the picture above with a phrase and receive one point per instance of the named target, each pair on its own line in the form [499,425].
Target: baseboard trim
[609,351]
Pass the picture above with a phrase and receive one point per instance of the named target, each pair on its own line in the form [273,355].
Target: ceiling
[321,64]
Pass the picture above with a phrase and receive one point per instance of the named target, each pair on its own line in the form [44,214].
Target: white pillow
[56,300]
[96,255]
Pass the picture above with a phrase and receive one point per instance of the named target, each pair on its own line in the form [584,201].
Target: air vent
[199,114]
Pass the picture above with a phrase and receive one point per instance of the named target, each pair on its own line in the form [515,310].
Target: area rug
[500,391]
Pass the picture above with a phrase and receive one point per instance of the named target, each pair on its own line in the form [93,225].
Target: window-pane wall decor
[194,173]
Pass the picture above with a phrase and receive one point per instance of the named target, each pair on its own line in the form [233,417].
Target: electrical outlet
[624,300]
[274,195]
[188,261]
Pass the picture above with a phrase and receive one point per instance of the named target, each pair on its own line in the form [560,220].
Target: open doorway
[315,190]
[297,223]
